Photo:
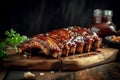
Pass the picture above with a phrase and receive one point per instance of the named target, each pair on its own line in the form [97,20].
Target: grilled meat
[63,42]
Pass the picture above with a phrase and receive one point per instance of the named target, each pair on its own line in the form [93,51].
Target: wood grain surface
[73,62]
[109,71]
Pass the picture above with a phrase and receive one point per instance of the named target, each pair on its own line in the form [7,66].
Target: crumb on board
[29,75]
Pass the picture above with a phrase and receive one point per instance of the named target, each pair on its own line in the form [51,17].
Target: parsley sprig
[12,38]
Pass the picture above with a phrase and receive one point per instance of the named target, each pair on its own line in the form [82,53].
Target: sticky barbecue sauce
[103,24]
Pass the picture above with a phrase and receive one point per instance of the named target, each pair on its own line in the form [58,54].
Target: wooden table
[109,71]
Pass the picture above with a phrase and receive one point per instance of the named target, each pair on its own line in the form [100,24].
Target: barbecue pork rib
[63,42]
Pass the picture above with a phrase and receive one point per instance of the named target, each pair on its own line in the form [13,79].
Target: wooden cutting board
[73,62]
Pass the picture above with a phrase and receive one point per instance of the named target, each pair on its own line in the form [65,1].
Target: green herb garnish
[12,38]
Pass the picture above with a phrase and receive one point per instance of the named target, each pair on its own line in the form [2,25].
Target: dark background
[30,17]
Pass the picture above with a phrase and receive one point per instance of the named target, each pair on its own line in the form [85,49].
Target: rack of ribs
[63,42]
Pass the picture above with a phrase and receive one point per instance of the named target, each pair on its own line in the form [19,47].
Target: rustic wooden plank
[104,56]
[109,71]
[31,63]
[73,62]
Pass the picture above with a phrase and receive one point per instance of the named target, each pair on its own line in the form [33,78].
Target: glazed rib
[63,42]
